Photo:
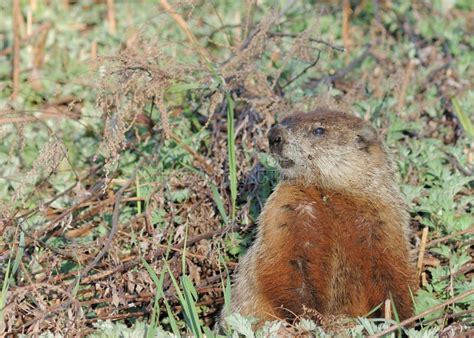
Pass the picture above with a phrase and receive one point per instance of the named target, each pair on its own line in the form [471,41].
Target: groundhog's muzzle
[275,139]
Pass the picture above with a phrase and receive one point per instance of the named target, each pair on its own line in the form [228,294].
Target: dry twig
[113,231]
[424,313]
[421,254]
[346,14]
[111,17]
[323,42]
[341,73]
[448,237]
[184,26]
[16,22]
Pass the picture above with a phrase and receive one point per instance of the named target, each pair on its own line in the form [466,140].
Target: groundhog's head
[328,148]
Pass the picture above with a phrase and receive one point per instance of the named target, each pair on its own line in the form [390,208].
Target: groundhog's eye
[319,131]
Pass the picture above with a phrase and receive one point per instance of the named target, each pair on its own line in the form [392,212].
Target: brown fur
[333,236]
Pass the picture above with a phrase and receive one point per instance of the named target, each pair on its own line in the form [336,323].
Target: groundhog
[334,235]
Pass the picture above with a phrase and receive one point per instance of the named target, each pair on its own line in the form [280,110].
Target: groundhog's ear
[366,137]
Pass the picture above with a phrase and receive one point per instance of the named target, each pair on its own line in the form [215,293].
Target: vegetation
[134,162]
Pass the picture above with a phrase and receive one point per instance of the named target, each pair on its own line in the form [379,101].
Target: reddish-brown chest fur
[331,253]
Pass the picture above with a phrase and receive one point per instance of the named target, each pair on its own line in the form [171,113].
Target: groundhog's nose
[275,139]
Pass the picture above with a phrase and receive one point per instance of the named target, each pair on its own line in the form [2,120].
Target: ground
[134,154]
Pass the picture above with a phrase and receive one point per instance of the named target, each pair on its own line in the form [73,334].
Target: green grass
[231,151]
[10,270]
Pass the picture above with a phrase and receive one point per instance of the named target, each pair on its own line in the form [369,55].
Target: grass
[10,271]
[231,150]
[463,118]
[93,102]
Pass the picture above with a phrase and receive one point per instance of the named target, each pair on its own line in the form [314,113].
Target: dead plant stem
[16,23]
[184,26]
[424,313]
